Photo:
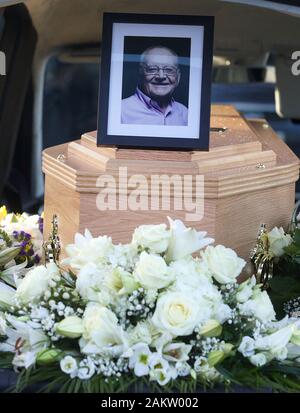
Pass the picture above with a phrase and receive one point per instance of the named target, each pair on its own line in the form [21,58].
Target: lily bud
[215,357]
[128,282]
[212,328]
[71,327]
[48,356]
[227,347]
[193,374]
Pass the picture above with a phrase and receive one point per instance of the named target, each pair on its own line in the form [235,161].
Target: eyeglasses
[154,70]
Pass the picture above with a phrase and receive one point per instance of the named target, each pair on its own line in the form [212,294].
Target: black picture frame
[200,138]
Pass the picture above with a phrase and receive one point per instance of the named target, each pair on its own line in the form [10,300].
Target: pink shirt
[142,110]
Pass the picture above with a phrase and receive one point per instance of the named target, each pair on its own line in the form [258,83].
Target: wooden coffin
[249,179]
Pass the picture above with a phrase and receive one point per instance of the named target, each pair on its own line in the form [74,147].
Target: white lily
[276,343]
[160,370]
[87,250]
[23,336]
[26,359]
[3,325]
[139,360]
[11,275]
[177,352]
[184,241]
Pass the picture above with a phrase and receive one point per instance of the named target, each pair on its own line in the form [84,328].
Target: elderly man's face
[160,73]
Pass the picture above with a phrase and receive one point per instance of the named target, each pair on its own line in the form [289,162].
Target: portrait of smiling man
[153,102]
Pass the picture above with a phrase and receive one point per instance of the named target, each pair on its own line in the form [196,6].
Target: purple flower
[27,236]
[37,259]
[41,224]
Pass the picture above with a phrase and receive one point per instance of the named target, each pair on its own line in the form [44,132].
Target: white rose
[86,369]
[247,346]
[223,263]
[189,273]
[89,282]
[101,332]
[69,366]
[176,313]
[259,306]
[191,281]
[35,283]
[87,249]
[185,241]
[154,237]
[278,240]
[205,301]
[258,359]
[222,312]
[152,272]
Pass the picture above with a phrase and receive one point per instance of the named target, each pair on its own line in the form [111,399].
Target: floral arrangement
[277,262]
[164,311]
[21,237]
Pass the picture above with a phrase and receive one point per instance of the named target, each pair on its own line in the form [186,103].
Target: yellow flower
[3,212]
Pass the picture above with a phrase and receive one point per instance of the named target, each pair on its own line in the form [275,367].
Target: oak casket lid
[247,156]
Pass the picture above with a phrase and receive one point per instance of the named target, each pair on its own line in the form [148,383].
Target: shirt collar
[148,101]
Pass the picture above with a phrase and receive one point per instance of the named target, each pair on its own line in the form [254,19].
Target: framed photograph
[155,82]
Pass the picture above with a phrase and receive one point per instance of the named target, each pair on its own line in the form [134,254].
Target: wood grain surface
[249,179]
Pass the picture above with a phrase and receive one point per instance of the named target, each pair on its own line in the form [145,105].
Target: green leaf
[283,289]
[297,237]
[8,255]
[293,250]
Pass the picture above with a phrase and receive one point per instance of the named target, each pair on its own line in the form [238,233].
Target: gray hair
[145,52]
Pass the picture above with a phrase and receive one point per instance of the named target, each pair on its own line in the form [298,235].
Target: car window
[2,56]
[70,98]
[1,22]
